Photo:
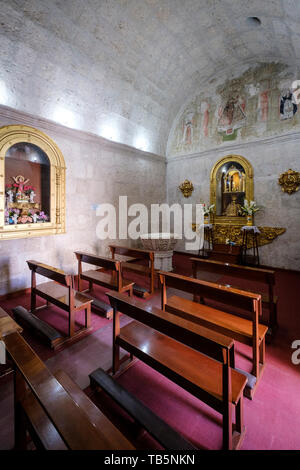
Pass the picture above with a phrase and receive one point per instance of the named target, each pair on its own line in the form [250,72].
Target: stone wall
[254,115]
[256,102]
[98,171]
[269,158]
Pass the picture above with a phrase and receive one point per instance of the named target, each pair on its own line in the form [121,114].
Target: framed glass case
[32,184]
[231,182]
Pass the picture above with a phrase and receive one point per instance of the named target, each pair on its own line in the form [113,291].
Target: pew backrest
[135,252]
[54,274]
[263,276]
[235,270]
[199,338]
[247,301]
[100,261]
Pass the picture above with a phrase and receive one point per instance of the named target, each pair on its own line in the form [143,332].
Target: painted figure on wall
[263,106]
[188,128]
[205,112]
[288,107]
[232,118]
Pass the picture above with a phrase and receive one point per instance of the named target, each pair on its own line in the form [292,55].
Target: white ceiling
[123,68]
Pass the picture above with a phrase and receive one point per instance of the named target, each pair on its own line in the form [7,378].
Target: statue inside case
[231,183]
[27,184]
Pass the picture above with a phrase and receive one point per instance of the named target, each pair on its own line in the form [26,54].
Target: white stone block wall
[269,158]
[97,172]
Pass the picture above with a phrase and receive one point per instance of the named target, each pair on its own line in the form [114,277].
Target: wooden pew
[53,409]
[265,277]
[195,358]
[60,292]
[7,326]
[111,280]
[245,330]
[138,255]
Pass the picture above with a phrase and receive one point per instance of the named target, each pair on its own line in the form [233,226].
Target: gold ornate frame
[249,190]
[10,135]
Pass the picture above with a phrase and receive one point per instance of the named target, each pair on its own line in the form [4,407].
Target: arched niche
[32,184]
[231,181]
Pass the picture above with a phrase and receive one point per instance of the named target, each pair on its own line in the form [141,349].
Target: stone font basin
[159,241]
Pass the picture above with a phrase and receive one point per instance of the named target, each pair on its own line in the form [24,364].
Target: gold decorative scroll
[186,188]
[222,232]
[289,181]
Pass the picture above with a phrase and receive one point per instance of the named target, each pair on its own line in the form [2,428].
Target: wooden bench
[265,277]
[146,270]
[195,358]
[112,279]
[53,409]
[245,330]
[7,326]
[225,253]
[60,292]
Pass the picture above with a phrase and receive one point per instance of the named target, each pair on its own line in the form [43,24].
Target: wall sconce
[186,188]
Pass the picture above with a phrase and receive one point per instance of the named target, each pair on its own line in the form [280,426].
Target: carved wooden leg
[262,352]
[255,353]
[116,348]
[227,427]
[71,323]
[88,316]
[33,302]
[239,415]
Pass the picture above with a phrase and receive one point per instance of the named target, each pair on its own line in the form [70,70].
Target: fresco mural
[256,104]
[288,107]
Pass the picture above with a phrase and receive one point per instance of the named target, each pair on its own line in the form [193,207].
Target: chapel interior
[120,330]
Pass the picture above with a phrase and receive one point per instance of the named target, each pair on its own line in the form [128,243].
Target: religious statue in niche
[233,208]
[288,106]
[231,118]
[20,207]
[233,183]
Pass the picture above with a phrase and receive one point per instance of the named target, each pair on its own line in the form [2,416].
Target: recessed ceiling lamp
[253,21]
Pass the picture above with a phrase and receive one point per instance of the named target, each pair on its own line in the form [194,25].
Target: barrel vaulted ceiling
[124,68]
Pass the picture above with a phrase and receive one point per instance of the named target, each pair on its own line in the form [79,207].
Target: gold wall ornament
[186,188]
[222,232]
[10,136]
[231,181]
[289,181]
